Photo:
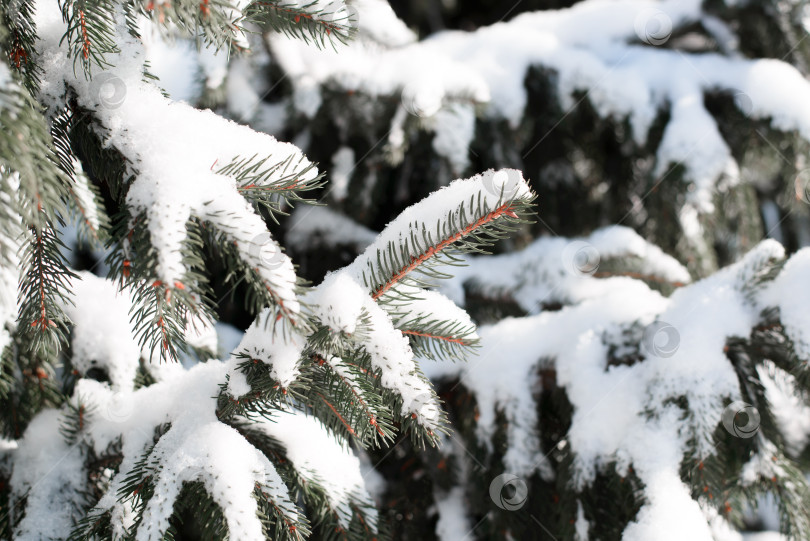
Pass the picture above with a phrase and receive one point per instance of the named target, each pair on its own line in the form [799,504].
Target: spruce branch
[470,228]
[439,339]
[17,39]
[343,393]
[215,23]
[44,290]
[271,186]
[90,33]
[336,22]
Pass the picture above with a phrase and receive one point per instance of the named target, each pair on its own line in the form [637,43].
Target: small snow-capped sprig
[466,216]
[271,185]
[44,289]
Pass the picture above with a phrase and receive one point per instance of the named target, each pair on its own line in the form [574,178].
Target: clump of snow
[50,475]
[103,336]
[343,163]
[273,343]
[555,269]
[378,22]
[453,521]
[455,130]
[338,302]
[581,525]
[788,293]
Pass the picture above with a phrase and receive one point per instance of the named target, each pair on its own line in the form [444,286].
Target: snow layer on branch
[103,336]
[339,302]
[555,269]
[321,459]
[624,413]
[790,294]
[174,150]
[196,447]
[453,521]
[273,343]
[377,21]
[228,466]
[590,47]
[50,475]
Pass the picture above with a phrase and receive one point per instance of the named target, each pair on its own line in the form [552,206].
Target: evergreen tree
[686,121]
[634,365]
[107,434]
